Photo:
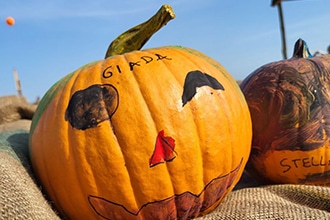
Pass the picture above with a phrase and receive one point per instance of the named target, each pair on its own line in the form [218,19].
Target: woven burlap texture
[275,202]
[20,197]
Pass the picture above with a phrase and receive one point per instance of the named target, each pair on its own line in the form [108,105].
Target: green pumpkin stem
[136,37]
[301,49]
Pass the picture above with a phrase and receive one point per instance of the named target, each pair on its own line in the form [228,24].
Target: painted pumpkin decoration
[149,134]
[289,104]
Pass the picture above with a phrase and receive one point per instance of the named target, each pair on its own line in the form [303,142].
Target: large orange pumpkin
[161,133]
[290,108]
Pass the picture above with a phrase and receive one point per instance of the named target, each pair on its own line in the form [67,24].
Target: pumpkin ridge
[207,60]
[178,82]
[170,69]
[103,66]
[191,107]
[141,92]
[201,194]
[47,99]
[189,59]
[229,81]
[148,104]
[73,150]
[129,172]
[79,177]
[226,112]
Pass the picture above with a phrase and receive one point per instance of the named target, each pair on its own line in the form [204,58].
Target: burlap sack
[274,202]
[20,197]
[22,124]
[13,108]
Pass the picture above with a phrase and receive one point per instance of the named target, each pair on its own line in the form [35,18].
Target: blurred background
[53,38]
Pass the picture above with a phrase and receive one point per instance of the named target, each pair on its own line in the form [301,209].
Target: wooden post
[17,83]
[280,12]
[278,3]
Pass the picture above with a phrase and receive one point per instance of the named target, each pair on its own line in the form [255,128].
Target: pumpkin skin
[290,111]
[94,139]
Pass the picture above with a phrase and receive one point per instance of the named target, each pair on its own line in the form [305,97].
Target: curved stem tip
[136,37]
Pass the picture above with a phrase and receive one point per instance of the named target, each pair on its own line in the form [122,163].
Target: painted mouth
[183,206]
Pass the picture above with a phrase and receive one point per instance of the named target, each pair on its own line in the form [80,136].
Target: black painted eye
[196,79]
[89,107]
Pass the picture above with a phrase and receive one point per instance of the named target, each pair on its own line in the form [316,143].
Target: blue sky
[52,38]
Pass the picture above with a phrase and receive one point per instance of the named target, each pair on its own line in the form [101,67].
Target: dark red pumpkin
[289,102]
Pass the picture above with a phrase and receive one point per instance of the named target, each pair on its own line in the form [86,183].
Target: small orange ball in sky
[10,21]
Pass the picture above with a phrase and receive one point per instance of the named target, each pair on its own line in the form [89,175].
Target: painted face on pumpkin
[98,103]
